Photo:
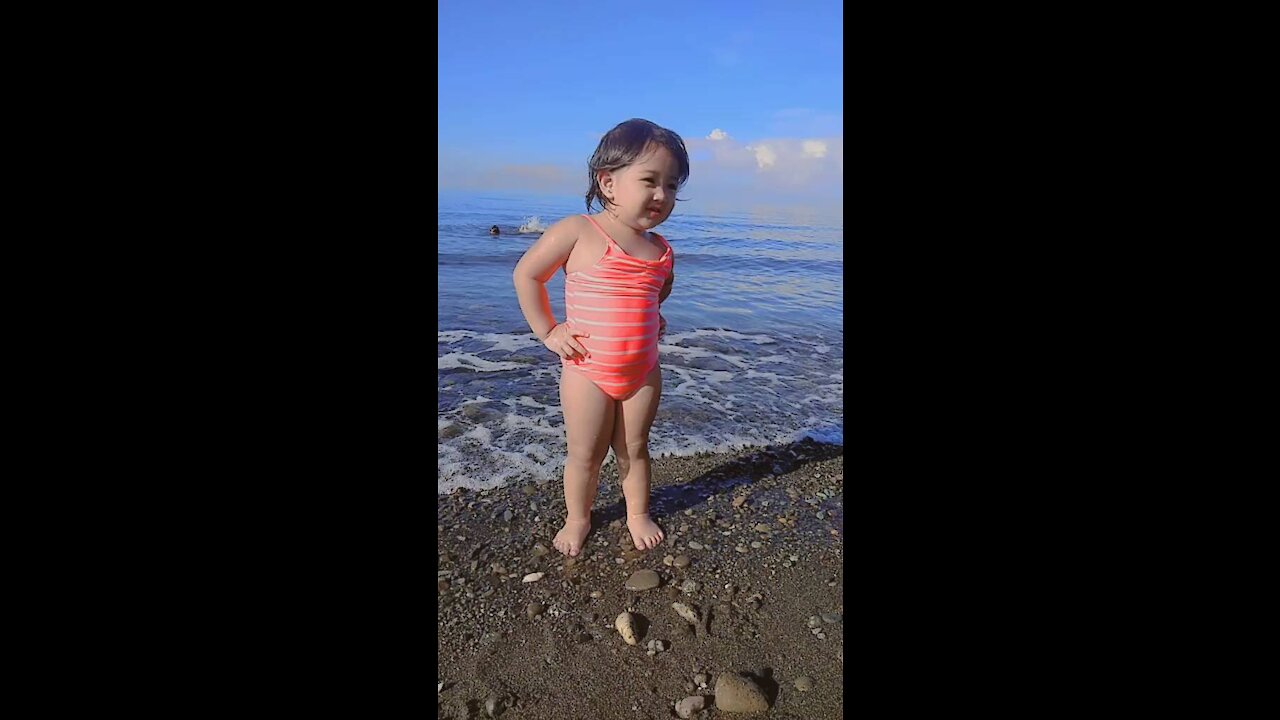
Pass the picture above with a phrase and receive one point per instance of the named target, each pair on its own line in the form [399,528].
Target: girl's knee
[583,462]
[638,450]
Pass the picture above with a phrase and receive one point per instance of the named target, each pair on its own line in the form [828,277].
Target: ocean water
[753,353]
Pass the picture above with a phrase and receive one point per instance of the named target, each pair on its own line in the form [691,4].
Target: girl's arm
[662,295]
[671,278]
[533,271]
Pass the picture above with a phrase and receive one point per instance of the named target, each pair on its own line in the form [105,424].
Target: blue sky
[526,90]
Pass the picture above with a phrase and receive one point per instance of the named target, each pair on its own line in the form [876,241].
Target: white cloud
[814,148]
[765,155]
[802,168]
[777,168]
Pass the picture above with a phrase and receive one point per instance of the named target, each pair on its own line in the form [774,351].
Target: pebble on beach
[690,705]
[626,625]
[642,580]
[686,612]
[739,695]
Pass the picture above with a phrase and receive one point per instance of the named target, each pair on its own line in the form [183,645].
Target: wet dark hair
[626,142]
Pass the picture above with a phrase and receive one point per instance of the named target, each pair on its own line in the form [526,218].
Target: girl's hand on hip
[562,340]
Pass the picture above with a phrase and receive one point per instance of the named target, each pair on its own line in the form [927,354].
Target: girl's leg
[588,425]
[631,445]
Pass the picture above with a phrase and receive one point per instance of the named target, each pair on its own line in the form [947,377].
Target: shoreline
[548,648]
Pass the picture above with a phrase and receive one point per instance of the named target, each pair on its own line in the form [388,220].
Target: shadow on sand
[672,498]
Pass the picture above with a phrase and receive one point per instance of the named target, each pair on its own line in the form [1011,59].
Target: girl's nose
[659,195]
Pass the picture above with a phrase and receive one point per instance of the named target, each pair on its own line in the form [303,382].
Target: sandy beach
[754,550]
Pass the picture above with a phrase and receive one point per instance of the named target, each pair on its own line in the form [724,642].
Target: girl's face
[644,192]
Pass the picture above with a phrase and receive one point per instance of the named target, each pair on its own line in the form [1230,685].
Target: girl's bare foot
[569,539]
[644,532]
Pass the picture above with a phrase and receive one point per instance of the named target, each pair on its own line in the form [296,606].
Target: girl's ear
[604,179]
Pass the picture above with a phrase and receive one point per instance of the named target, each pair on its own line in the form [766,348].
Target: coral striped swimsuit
[616,301]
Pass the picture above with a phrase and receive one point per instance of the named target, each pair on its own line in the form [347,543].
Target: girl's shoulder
[662,241]
[573,224]
[567,228]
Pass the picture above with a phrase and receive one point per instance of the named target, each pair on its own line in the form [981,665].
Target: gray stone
[539,550]
[739,695]
[814,621]
[832,618]
[804,683]
[534,609]
[508,515]
[493,706]
[681,561]
[690,587]
[700,679]
[642,580]
[690,705]
[695,545]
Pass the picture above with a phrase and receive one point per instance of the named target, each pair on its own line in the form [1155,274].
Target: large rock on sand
[737,694]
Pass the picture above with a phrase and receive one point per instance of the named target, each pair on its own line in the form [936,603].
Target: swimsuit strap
[614,243]
[602,232]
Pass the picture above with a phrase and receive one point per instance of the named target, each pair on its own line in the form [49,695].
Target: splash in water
[532,225]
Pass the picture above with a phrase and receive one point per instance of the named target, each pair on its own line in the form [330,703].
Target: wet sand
[548,649]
